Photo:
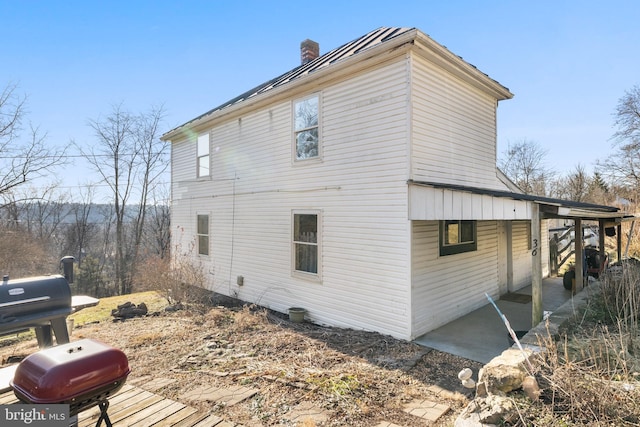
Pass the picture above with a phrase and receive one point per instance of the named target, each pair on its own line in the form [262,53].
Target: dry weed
[590,376]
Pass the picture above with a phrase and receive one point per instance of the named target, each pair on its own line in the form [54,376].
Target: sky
[567,62]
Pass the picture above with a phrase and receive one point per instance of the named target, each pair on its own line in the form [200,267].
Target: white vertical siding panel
[446,287]
[429,203]
[487,207]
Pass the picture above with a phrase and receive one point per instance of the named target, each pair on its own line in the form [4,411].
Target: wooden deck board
[8,398]
[133,406]
[142,413]
[160,415]
[122,415]
[116,405]
[177,417]
[212,420]
[117,415]
[198,418]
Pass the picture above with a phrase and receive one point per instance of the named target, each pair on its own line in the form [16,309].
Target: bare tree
[130,158]
[523,163]
[577,184]
[22,160]
[80,230]
[43,215]
[157,231]
[623,166]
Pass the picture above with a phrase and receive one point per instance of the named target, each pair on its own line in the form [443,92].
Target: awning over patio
[438,202]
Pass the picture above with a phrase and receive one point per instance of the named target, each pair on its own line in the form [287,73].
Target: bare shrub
[621,295]
[585,381]
[152,275]
[590,376]
[22,256]
[218,316]
[249,318]
[179,280]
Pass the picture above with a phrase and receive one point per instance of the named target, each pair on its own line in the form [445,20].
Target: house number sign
[534,247]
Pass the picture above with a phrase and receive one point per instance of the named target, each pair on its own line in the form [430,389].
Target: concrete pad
[481,335]
[386,424]
[426,409]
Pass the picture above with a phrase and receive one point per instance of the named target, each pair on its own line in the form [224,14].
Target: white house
[362,186]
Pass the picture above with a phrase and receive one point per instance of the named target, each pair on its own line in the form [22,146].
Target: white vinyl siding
[360,186]
[445,288]
[453,129]
[379,258]
[521,255]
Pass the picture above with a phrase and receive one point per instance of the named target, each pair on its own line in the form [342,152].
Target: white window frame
[200,235]
[317,275]
[297,130]
[203,158]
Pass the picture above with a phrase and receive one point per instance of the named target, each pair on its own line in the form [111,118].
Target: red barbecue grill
[82,374]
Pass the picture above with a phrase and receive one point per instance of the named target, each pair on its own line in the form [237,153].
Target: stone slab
[226,395]
[307,411]
[426,409]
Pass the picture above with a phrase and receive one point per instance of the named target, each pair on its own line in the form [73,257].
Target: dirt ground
[357,378]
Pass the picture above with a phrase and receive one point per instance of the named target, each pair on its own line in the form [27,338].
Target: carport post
[578,254]
[536,266]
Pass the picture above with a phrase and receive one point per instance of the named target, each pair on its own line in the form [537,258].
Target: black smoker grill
[41,302]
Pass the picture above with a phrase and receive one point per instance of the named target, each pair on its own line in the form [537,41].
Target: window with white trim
[457,237]
[202,148]
[305,128]
[306,245]
[202,232]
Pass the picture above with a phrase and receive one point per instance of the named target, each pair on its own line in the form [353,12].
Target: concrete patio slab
[481,335]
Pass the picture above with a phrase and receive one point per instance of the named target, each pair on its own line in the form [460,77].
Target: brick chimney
[309,50]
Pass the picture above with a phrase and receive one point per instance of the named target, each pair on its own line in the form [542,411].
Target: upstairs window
[202,148]
[305,242]
[457,237]
[203,234]
[305,124]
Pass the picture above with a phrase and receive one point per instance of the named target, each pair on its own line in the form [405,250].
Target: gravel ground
[358,378]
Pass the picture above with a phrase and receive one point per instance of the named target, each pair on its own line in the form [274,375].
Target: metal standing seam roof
[369,40]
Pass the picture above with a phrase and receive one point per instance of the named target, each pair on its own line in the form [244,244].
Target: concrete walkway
[481,335]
